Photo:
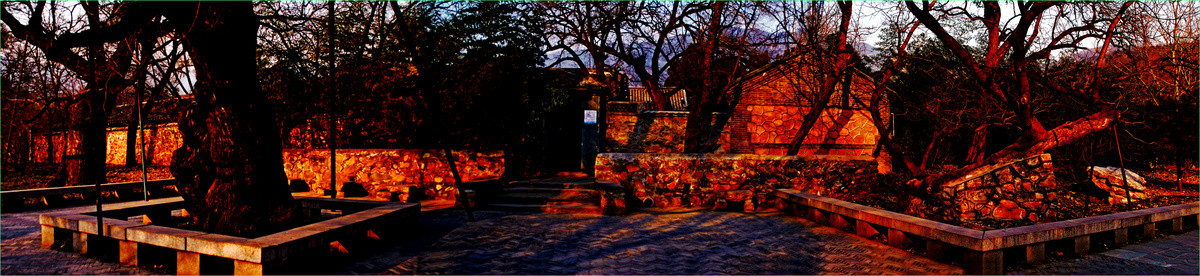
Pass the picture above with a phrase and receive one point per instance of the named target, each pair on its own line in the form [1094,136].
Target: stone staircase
[569,195]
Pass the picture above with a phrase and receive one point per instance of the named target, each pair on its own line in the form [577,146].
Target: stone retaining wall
[1018,191]
[722,181]
[387,171]
[650,131]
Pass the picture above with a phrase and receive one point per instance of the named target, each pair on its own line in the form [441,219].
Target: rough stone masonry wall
[161,140]
[725,180]
[768,117]
[386,171]
[649,132]
[1020,191]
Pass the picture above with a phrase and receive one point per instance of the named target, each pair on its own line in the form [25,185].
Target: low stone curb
[78,231]
[984,250]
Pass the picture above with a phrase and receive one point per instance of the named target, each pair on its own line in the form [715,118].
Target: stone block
[48,236]
[840,222]
[1035,253]
[187,263]
[1121,236]
[865,229]
[79,242]
[231,247]
[161,236]
[60,221]
[816,215]
[1148,231]
[898,239]
[983,262]
[241,267]
[1082,244]
[113,228]
[936,250]
[127,253]
[1177,225]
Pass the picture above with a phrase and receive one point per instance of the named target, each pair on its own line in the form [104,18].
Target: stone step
[552,191]
[556,209]
[555,183]
[524,198]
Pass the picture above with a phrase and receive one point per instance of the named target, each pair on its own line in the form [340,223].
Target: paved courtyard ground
[662,242]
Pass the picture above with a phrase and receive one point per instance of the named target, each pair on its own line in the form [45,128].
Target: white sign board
[589,116]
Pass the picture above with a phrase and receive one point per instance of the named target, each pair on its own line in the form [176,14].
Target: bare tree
[820,38]
[1032,32]
[104,69]
[644,38]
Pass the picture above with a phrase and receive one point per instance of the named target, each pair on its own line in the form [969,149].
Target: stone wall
[1020,191]
[768,117]
[161,140]
[649,131]
[387,171]
[837,131]
[722,181]
[646,131]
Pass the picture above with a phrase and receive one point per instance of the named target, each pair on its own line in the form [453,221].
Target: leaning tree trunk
[229,168]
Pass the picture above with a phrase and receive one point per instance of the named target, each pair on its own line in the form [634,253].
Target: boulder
[1110,180]
[298,185]
[353,189]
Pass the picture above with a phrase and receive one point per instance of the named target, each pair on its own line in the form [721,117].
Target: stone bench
[983,251]
[17,197]
[250,256]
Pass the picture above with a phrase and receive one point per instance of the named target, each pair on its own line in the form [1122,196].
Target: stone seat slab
[172,238]
[231,247]
[113,228]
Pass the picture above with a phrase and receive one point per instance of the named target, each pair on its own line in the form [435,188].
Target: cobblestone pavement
[1175,254]
[21,252]
[663,243]
[700,242]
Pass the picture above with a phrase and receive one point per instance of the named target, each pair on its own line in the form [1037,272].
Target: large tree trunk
[230,167]
[1064,134]
[83,162]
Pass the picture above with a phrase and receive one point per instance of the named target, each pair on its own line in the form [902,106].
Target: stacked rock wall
[386,171]
[725,180]
[1021,191]
[647,131]
[650,131]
